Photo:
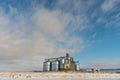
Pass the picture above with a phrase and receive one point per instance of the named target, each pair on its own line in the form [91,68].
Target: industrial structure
[65,63]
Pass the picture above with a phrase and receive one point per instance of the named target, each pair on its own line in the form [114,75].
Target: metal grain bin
[77,67]
[62,61]
[61,66]
[55,65]
[64,66]
[47,66]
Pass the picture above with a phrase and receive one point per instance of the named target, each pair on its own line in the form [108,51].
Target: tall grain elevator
[65,63]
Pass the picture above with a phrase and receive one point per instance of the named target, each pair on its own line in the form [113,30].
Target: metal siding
[55,65]
[47,66]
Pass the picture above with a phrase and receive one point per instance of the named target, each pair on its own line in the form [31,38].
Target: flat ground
[57,76]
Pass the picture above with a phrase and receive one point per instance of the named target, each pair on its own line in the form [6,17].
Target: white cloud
[109,5]
[43,35]
[49,22]
[102,65]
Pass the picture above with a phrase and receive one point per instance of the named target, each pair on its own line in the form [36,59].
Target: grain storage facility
[65,63]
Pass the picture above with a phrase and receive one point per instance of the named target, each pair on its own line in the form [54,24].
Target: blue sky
[32,30]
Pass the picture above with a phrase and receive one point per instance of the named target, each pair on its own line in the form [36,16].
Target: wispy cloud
[45,33]
[34,30]
[109,5]
[104,65]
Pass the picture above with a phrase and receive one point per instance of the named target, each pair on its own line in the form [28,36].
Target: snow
[57,76]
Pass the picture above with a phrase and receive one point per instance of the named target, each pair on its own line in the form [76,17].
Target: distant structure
[65,63]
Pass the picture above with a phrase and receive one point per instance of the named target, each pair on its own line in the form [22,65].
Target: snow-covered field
[57,76]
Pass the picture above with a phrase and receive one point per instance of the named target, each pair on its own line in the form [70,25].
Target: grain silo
[65,63]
